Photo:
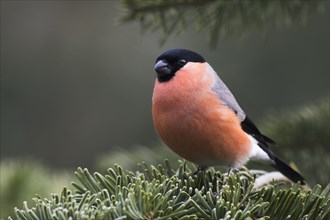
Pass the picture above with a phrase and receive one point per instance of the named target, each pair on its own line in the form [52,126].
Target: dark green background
[74,85]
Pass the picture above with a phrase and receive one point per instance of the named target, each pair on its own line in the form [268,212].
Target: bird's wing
[248,126]
[228,98]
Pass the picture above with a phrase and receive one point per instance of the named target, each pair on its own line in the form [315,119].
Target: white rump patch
[258,154]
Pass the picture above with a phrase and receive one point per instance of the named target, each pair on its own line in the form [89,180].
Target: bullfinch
[197,116]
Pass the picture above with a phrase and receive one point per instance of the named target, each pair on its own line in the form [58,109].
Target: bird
[198,117]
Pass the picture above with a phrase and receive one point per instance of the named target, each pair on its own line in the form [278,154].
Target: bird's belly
[205,137]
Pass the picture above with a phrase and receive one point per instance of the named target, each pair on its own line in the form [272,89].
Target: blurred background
[77,80]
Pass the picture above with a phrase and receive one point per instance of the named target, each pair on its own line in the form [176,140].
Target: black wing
[250,128]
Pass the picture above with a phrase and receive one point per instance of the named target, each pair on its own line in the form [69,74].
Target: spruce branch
[217,18]
[161,192]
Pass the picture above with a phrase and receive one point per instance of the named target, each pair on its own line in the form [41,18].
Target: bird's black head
[168,63]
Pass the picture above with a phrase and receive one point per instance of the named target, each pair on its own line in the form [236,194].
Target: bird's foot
[230,169]
[200,169]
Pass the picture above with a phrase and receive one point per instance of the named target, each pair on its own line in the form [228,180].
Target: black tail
[287,171]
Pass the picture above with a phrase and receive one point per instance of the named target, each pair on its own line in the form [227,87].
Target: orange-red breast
[198,117]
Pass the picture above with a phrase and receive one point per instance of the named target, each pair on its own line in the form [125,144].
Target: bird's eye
[182,62]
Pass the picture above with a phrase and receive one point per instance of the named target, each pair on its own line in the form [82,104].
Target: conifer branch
[217,18]
[162,193]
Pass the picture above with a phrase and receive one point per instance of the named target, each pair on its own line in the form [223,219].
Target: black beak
[162,68]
